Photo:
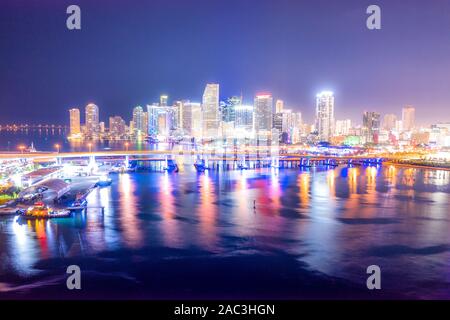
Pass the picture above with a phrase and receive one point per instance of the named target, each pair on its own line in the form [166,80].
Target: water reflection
[336,221]
[128,212]
[169,224]
[207,212]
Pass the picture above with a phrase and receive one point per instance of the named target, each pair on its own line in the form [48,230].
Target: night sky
[130,52]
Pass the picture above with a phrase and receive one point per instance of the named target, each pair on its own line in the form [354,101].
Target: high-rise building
[371,126]
[278,121]
[389,121]
[75,123]
[325,115]
[263,105]
[139,120]
[117,127]
[178,110]
[192,119]
[279,106]
[211,116]
[163,100]
[145,122]
[229,109]
[342,127]
[291,121]
[244,117]
[408,118]
[291,125]
[153,112]
[160,119]
[92,120]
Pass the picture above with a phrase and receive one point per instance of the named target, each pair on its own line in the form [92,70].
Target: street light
[90,147]
[57,146]
[126,145]
[21,148]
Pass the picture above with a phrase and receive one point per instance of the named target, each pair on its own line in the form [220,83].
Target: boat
[104,181]
[171,166]
[79,204]
[200,166]
[243,166]
[41,211]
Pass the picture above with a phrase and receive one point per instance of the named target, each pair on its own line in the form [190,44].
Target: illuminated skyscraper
[263,113]
[117,126]
[178,111]
[325,115]
[371,126]
[92,120]
[163,100]
[291,125]
[75,123]
[408,118]
[211,116]
[279,106]
[160,119]
[229,109]
[389,121]
[342,127]
[139,120]
[244,117]
[192,119]
[145,122]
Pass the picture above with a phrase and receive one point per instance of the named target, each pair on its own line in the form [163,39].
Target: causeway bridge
[259,157]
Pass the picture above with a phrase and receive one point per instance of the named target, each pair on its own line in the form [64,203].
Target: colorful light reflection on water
[332,222]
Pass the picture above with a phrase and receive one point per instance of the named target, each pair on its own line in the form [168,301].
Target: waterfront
[312,234]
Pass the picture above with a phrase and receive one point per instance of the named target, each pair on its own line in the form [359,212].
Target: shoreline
[415,166]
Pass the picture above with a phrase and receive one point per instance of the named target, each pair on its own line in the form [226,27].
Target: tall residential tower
[325,115]
[211,115]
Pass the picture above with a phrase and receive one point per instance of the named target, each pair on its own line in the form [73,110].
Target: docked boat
[171,166]
[201,166]
[42,211]
[104,181]
[243,166]
[79,204]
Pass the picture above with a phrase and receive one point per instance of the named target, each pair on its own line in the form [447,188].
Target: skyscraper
[75,123]
[163,100]
[211,116]
[92,120]
[139,120]
[408,118]
[371,126]
[263,105]
[178,110]
[325,115]
[244,118]
[342,127]
[160,119]
[389,121]
[191,118]
[229,109]
[279,106]
[117,126]
[291,125]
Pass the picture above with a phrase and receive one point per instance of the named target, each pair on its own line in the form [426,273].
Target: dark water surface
[188,235]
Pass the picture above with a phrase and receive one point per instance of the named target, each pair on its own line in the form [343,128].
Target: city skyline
[266,121]
[366,70]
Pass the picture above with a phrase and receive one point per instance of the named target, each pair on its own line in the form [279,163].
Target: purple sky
[129,52]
